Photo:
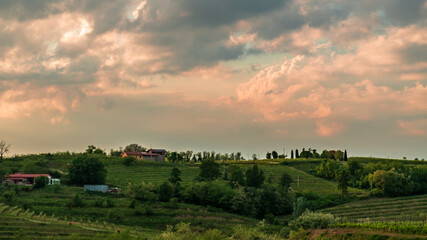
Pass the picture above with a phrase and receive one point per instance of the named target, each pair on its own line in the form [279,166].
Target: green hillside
[411,208]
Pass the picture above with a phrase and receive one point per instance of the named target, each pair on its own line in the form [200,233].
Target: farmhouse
[157,155]
[28,179]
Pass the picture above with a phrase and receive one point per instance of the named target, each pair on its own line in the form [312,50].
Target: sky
[243,75]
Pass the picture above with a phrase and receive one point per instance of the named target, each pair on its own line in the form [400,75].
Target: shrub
[41,182]
[312,220]
[77,201]
[165,191]
[127,161]
[8,195]
[132,204]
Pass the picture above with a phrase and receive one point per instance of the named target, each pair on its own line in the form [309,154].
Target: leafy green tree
[286,180]
[166,191]
[237,177]
[116,153]
[254,177]
[328,169]
[343,177]
[175,176]
[134,148]
[176,180]
[209,170]
[268,155]
[339,155]
[274,154]
[127,161]
[87,169]
[41,181]
[254,157]
[90,149]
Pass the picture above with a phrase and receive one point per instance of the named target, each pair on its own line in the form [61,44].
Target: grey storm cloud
[401,12]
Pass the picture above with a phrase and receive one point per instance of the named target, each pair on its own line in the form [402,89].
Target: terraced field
[157,173]
[16,224]
[302,180]
[412,208]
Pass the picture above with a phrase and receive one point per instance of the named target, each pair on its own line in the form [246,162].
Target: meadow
[409,208]
[103,213]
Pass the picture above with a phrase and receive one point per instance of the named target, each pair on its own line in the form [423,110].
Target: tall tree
[134,148]
[286,180]
[87,169]
[296,153]
[237,177]
[345,155]
[292,154]
[238,155]
[4,148]
[274,154]
[254,177]
[343,178]
[209,170]
[268,155]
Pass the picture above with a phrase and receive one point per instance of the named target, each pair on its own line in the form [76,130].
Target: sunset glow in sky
[224,75]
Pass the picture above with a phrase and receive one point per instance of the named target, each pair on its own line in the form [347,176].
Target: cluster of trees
[190,156]
[274,155]
[326,154]
[244,193]
[390,178]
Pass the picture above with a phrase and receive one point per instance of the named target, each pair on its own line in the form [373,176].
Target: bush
[77,201]
[8,195]
[127,161]
[312,220]
[166,191]
[173,203]
[132,204]
[41,182]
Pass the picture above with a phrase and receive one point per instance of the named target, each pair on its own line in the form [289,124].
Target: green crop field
[17,224]
[156,173]
[50,202]
[302,181]
[411,208]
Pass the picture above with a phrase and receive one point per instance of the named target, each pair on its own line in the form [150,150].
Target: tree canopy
[209,170]
[87,169]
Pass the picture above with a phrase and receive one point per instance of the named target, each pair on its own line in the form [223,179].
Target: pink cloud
[328,128]
[415,127]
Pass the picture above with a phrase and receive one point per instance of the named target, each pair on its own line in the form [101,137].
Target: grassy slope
[16,224]
[401,208]
[49,202]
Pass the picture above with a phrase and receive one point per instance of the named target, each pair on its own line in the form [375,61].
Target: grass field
[17,224]
[302,180]
[156,173]
[411,208]
[48,202]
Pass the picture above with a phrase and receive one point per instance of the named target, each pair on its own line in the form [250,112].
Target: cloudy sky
[241,75]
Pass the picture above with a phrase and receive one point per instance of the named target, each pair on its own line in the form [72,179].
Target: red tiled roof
[23,175]
[133,153]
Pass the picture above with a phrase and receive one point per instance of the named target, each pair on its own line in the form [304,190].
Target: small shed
[96,188]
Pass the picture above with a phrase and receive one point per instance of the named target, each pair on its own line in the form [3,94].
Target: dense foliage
[87,169]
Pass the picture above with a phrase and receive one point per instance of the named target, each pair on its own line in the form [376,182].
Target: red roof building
[22,178]
[152,154]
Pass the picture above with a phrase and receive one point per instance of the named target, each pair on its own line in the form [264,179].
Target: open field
[303,182]
[411,208]
[17,224]
[160,214]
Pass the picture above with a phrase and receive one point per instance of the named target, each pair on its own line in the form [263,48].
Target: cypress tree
[296,153]
[292,154]
[345,155]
